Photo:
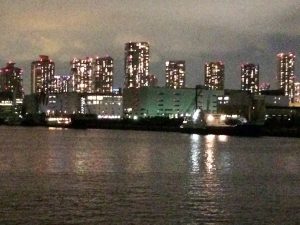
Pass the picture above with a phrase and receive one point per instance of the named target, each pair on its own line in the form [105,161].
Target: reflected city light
[209,152]
[139,160]
[209,159]
[210,137]
[195,152]
[223,138]
[195,137]
[56,128]
[81,162]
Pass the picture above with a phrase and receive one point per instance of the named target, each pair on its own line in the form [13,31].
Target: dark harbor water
[135,177]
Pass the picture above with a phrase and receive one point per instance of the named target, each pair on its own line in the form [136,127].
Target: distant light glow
[196,114]
[210,118]
[59,120]
[195,152]
[223,138]
[223,117]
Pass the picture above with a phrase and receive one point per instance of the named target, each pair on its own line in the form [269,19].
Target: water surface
[52,176]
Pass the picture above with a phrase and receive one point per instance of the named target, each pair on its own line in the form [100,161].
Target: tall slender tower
[81,70]
[42,75]
[214,75]
[175,74]
[103,74]
[285,73]
[250,78]
[11,80]
[136,64]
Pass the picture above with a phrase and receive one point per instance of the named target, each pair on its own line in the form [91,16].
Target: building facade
[230,104]
[82,75]
[297,92]
[42,75]
[11,92]
[103,105]
[214,75]
[62,83]
[59,104]
[175,74]
[158,102]
[207,100]
[285,73]
[250,78]
[11,80]
[136,64]
[103,69]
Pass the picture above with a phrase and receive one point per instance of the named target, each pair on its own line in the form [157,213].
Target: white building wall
[104,106]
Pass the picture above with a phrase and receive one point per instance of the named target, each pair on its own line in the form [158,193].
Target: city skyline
[194,31]
[94,77]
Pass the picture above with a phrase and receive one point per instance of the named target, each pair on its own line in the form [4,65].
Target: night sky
[197,31]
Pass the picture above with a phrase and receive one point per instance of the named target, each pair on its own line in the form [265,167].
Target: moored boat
[219,124]
[58,121]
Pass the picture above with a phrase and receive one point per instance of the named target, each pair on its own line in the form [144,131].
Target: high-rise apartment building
[62,83]
[11,80]
[214,75]
[103,69]
[42,75]
[175,74]
[297,92]
[82,72]
[136,64]
[250,78]
[285,73]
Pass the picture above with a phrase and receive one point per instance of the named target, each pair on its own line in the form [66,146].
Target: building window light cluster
[108,116]
[6,103]
[223,99]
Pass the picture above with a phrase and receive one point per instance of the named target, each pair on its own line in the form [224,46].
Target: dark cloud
[197,31]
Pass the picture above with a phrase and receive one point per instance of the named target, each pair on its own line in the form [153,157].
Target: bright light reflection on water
[223,138]
[209,152]
[195,152]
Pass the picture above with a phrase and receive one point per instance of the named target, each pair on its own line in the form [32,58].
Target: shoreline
[167,125]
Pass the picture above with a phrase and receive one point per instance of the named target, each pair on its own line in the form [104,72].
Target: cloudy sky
[198,31]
